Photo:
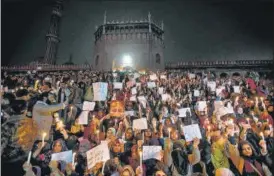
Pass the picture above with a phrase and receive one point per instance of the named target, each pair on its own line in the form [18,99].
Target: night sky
[194,30]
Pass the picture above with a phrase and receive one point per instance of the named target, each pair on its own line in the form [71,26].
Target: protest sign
[83,118]
[153,77]
[43,125]
[196,93]
[151,85]
[84,145]
[134,91]
[150,152]
[183,111]
[161,90]
[218,104]
[117,108]
[97,154]
[237,89]
[62,156]
[88,106]
[212,85]
[100,91]
[191,132]
[202,105]
[140,124]
[118,85]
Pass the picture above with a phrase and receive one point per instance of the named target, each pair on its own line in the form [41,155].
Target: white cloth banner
[100,91]
[151,84]
[97,154]
[62,156]
[196,93]
[118,85]
[140,124]
[83,118]
[191,132]
[150,152]
[88,106]
[212,85]
[202,105]
[161,90]
[163,77]
[182,112]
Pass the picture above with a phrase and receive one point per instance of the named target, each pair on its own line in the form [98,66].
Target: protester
[130,123]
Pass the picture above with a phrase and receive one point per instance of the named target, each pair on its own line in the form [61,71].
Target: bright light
[127,61]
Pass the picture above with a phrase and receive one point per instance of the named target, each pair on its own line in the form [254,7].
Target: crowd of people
[136,124]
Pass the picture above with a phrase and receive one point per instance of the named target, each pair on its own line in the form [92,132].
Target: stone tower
[52,36]
[136,44]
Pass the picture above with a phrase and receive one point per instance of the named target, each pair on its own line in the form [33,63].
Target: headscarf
[223,172]
[130,169]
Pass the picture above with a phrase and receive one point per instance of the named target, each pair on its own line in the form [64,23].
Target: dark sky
[194,30]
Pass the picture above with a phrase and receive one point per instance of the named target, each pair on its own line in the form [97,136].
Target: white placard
[219,90]
[191,132]
[196,93]
[165,97]
[142,100]
[151,84]
[83,118]
[134,91]
[202,105]
[62,156]
[88,106]
[140,124]
[118,85]
[212,85]
[150,152]
[100,91]
[163,77]
[153,77]
[182,112]
[237,89]
[191,75]
[161,90]
[97,154]
[132,98]
[130,113]
[218,104]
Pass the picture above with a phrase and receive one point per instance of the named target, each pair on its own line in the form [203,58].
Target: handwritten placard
[88,106]
[191,132]
[219,90]
[202,105]
[62,156]
[132,98]
[118,85]
[150,152]
[97,154]
[183,112]
[196,93]
[100,91]
[153,77]
[151,85]
[140,124]
[83,118]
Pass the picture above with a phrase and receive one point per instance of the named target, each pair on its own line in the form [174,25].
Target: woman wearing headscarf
[127,171]
[246,161]
[43,156]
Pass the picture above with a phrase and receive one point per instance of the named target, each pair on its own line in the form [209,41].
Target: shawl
[218,157]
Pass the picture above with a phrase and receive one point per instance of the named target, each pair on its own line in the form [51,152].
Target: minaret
[105,22]
[52,36]
[149,21]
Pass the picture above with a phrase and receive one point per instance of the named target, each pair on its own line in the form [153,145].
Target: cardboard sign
[97,154]
[88,106]
[196,93]
[62,156]
[118,85]
[191,75]
[117,108]
[183,111]
[130,84]
[132,98]
[150,152]
[83,118]
[191,132]
[218,104]
[151,85]
[202,105]
[142,100]
[140,124]
[163,77]
[100,91]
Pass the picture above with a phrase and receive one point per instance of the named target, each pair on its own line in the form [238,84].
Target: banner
[130,113]
[88,106]
[140,124]
[161,90]
[100,91]
[62,156]
[117,108]
[134,91]
[150,152]
[191,132]
[97,154]
[165,97]
[219,90]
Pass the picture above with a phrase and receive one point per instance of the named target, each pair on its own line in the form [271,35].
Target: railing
[46,67]
[221,64]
